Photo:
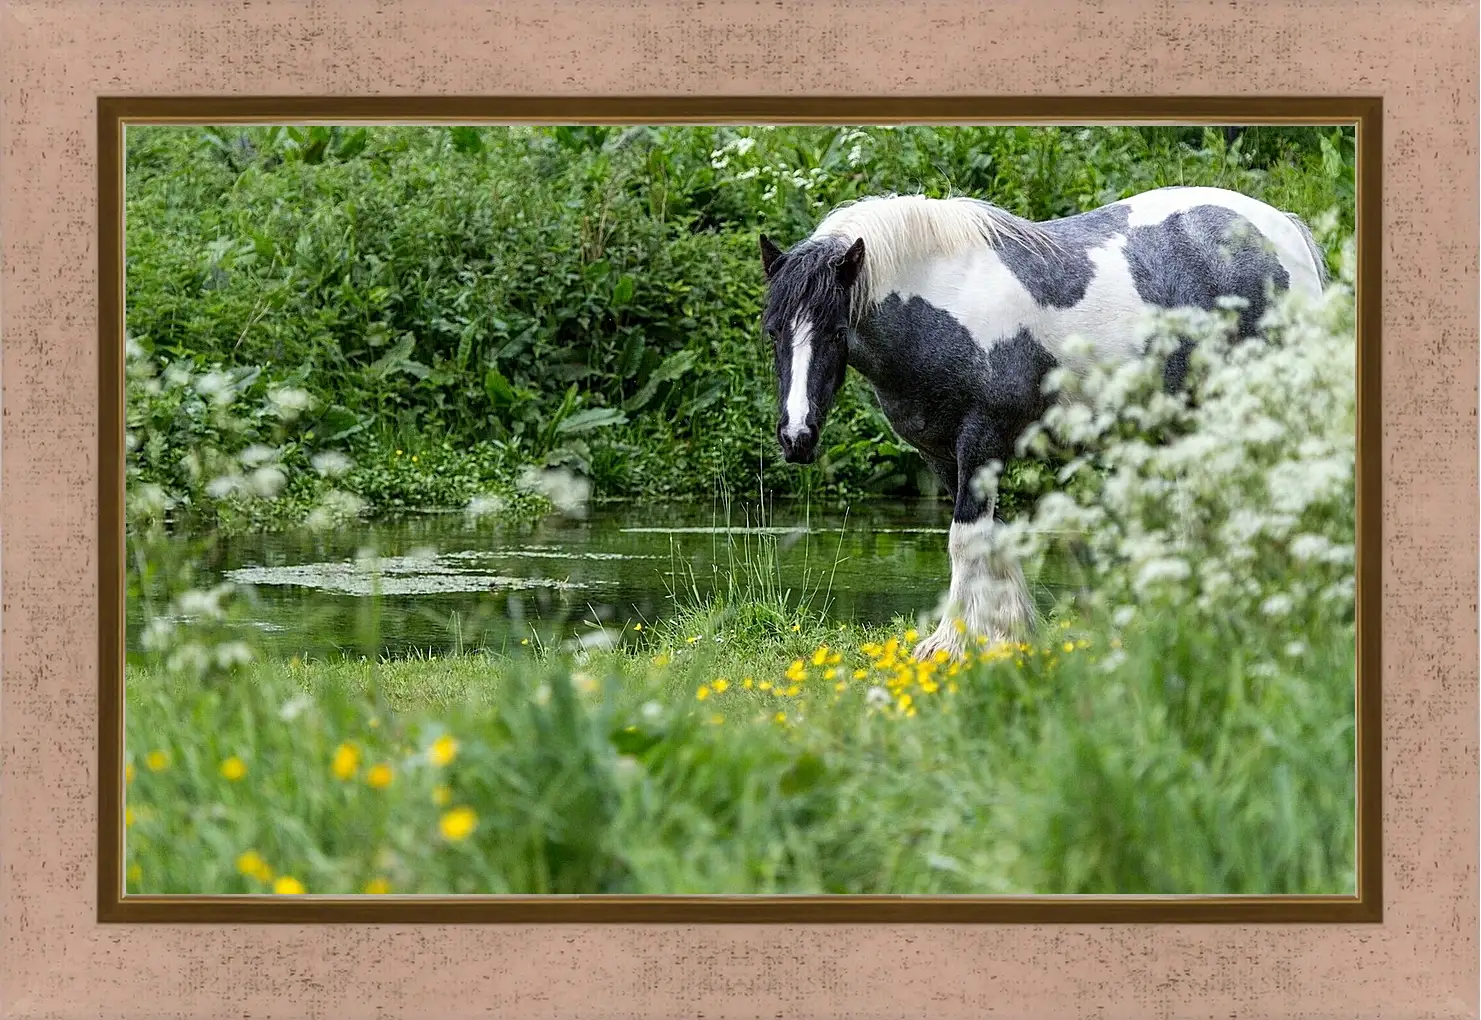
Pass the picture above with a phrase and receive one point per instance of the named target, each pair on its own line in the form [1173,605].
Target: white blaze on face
[794,420]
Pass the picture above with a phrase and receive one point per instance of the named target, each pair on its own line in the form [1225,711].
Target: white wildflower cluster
[484,505]
[206,433]
[336,509]
[226,444]
[193,637]
[742,162]
[567,491]
[856,140]
[720,158]
[1234,497]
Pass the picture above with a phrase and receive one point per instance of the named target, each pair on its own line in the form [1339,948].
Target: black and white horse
[955,310]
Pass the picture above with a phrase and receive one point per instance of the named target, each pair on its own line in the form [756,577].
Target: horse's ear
[847,268]
[771,256]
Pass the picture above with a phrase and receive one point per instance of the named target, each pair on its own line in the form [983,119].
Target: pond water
[442,583]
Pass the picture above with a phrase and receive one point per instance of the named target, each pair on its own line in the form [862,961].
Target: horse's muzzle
[801,448]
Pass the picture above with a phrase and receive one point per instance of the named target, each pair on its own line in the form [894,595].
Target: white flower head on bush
[1234,495]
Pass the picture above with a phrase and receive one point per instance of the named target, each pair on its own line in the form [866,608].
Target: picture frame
[1365,114]
[69,951]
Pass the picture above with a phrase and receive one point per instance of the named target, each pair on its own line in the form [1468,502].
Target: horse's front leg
[988,600]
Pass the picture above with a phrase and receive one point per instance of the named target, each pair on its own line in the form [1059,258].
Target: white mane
[899,230]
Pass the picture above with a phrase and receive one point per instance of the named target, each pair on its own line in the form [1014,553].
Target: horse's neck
[884,346]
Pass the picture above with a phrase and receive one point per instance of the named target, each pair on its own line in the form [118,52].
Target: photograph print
[739,509]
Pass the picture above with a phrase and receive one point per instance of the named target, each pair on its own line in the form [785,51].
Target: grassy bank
[1151,759]
[446,308]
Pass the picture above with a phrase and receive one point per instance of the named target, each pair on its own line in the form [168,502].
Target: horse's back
[1207,225]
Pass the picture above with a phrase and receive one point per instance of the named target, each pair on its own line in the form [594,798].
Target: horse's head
[808,298]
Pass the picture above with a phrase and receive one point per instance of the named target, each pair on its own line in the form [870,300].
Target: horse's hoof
[948,641]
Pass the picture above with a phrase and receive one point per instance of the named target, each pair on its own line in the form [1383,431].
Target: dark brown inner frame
[1365,112]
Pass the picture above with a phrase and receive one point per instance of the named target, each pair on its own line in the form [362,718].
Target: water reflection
[449,582]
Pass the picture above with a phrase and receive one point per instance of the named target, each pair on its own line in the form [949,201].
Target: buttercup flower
[442,751]
[458,824]
[233,768]
[251,864]
[346,762]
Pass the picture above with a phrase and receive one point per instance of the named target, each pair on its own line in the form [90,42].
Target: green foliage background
[463,302]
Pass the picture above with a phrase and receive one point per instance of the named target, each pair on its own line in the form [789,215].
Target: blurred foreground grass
[820,760]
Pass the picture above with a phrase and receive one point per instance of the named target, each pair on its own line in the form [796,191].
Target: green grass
[636,770]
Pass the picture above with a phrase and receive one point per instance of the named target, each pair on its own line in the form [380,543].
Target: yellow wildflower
[458,823]
[661,660]
[377,887]
[820,656]
[379,777]
[443,750]
[287,885]
[346,761]
[720,685]
[835,659]
[765,685]
[780,717]
[796,672]
[904,702]
[252,865]
[860,674]
[157,761]
[637,626]
[716,719]
[840,686]
[796,627]
[441,795]
[1069,646]
[910,635]
[135,873]
[128,773]
[748,683]
[830,674]
[793,691]
[233,768]
[128,817]
[702,693]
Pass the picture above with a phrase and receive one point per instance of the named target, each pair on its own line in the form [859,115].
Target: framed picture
[500,520]
[970,514]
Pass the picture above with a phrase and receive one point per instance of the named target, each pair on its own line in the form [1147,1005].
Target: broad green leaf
[500,393]
[591,418]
